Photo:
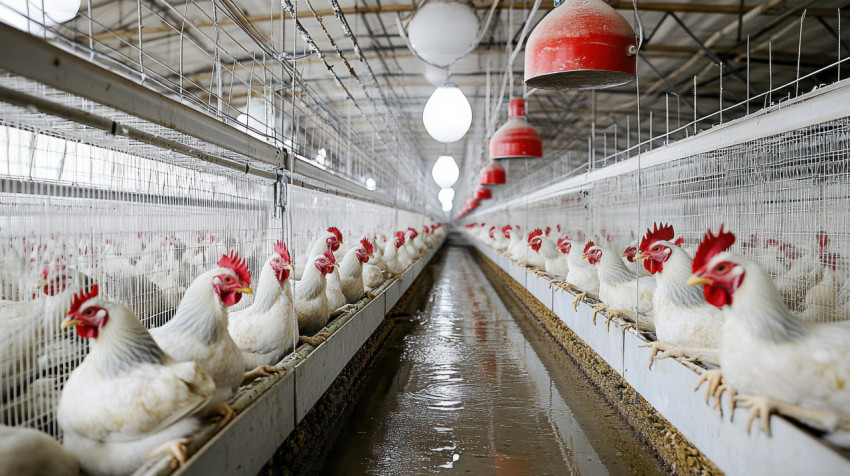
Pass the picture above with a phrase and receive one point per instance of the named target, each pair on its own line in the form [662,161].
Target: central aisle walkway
[468,385]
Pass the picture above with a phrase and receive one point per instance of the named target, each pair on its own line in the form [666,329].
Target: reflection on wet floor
[465,386]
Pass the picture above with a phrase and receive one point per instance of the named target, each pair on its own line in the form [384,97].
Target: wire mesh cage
[784,196]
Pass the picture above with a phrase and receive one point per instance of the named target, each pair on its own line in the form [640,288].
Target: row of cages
[142,228]
[786,198]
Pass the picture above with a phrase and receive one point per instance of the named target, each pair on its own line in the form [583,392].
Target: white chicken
[198,330]
[555,262]
[391,251]
[582,276]
[351,271]
[631,263]
[781,364]
[622,292]
[268,330]
[311,302]
[128,399]
[28,452]
[403,255]
[685,323]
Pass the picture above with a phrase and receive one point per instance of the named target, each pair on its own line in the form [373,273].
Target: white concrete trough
[539,288]
[277,404]
[669,388]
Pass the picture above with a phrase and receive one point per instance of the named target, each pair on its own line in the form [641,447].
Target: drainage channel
[467,383]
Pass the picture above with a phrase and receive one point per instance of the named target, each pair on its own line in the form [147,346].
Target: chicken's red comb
[80,298]
[710,246]
[330,256]
[233,263]
[492,229]
[588,246]
[563,241]
[280,249]
[366,245]
[336,232]
[679,241]
[823,239]
[534,234]
[548,229]
[665,232]
[55,268]
[399,234]
[414,233]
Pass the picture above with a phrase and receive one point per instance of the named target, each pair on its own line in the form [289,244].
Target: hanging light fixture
[472,203]
[516,139]
[442,32]
[447,114]
[482,193]
[445,171]
[492,174]
[581,44]
[34,15]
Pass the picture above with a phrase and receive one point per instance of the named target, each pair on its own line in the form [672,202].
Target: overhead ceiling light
[581,44]
[516,139]
[370,183]
[31,18]
[447,206]
[446,195]
[482,193]
[445,171]
[442,32]
[447,114]
[492,174]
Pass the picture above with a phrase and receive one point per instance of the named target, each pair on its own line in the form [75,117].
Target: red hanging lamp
[492,174]
[472,203]
[482,193]
[581,44]
[516,139]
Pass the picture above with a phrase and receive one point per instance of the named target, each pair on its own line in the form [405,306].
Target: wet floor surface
[465,384]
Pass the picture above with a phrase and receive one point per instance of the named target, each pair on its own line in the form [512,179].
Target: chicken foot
[614,313]
[176,448]
[261,371]
[224,411]
[578,299]
[663,350]
[343,309]
[762,406]
[315,340]
[716,387]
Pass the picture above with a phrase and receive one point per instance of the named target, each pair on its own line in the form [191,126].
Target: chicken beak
[583,256]
[640,256]
[698,280]
[71,323]
[290,266]
[528,245]
[624,255]
[245,290]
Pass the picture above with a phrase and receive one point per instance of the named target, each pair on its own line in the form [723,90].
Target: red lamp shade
[582,44]
[482,193]
[472,203]
[493,174]
[516,139]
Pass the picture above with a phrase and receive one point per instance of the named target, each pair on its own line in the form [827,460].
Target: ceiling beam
[666,7]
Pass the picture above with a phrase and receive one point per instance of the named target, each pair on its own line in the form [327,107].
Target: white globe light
[370,183]
[446,195]
[445,171]
[14,12]
[447,114]
[447,206]
[443,32]
[434,75]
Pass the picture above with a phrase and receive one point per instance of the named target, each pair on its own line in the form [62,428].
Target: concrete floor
[468,385]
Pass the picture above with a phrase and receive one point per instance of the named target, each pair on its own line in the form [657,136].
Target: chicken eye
[89,311]
[722,268]
[228,279]
[657,248]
